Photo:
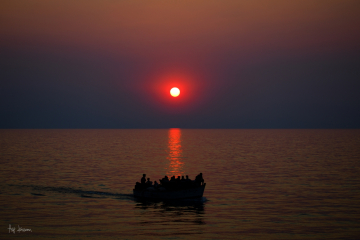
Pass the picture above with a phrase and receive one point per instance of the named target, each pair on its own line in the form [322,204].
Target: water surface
[261,184]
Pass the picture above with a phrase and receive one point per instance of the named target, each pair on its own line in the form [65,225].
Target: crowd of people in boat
[170,184]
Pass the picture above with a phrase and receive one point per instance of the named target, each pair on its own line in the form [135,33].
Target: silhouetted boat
[170,194]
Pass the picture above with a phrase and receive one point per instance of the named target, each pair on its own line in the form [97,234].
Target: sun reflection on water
[175,153]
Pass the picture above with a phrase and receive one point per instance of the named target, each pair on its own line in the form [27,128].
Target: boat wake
[41,191]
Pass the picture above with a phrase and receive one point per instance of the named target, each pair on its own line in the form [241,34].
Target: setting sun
[174,92]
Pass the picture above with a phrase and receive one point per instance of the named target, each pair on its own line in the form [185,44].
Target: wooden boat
[170,194]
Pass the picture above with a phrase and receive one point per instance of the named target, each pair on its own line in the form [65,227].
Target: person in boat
[183,182]
[199,179]
[142,183]
[177,183]
[143,179]
[172,184]
[149,183]
[187,182]
[164,179]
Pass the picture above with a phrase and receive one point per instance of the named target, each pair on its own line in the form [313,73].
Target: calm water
[261,184]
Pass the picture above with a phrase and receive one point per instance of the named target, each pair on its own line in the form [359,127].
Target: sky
[238,64]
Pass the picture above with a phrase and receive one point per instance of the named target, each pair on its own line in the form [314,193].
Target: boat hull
[196,192]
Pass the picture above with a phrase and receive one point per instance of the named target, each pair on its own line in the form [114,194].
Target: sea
[260,183]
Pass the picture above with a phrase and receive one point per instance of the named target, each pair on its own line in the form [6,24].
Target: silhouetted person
[149,183]
[199,179]
[156,184]
[165,180]
[143,179]
[187,181]
[182,178]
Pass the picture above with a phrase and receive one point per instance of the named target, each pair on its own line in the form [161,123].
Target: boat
[171,190]
[165,194]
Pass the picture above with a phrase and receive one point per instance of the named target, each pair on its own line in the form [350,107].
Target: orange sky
[168,28]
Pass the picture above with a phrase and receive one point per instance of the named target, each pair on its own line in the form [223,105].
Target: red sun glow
[174,92]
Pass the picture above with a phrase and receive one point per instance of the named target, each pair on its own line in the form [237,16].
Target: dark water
[261,184]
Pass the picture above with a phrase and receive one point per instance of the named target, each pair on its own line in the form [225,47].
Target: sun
[174,92]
